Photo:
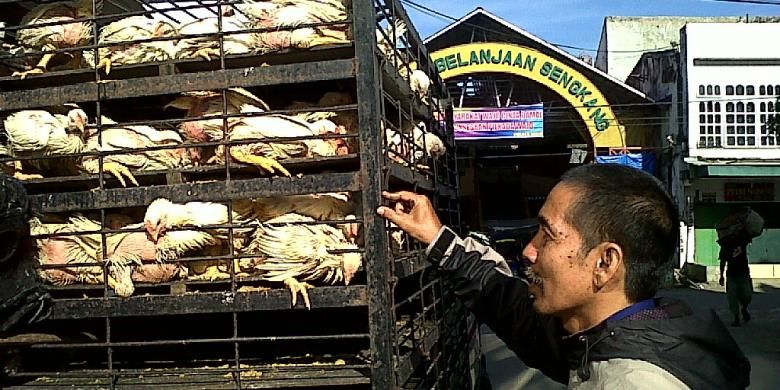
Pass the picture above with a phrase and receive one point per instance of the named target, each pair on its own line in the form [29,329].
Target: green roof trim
[738,170]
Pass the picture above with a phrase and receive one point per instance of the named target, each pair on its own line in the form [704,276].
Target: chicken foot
[120,172]
[24,176]
[299,287]
[39,69]
[263,163]
[105,63]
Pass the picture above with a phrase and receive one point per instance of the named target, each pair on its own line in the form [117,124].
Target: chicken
[66,34]
[419,82]
[138,250]
[38,133]
[130,29]
[74,250]
[347,120]
[207,47]
[209,103]
[291,253]
[116,138]
[163,217]
[286,15]
[265,154]
[426,144]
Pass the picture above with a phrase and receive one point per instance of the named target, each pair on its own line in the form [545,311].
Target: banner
[497,123]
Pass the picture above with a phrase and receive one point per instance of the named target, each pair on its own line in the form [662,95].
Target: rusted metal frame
[409,363]
[177,83]
[376,256]
[95,46]
[207,192]
[203,303]
[350,336]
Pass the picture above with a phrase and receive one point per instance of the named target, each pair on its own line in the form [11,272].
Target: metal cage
[394,325]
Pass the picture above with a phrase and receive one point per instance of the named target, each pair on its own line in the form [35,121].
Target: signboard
[523,61]
[498,123]
[749,192]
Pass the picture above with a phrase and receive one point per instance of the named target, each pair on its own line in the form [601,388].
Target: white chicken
[163,217]
[38,133]
[130,29]
[286,15]
[118,138]
[426,144]
[209,104]
[419,82]
[265,154]
[207,47]
[74,250]
[292,252]
[66,34]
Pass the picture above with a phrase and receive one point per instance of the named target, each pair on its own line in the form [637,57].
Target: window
[750,90]
[709,90]
[729,90]
[770,90]
[701,90]
[740,90]
[762,90]
[717,89]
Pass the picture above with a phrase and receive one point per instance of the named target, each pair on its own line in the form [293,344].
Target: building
[497,72]
[719,91]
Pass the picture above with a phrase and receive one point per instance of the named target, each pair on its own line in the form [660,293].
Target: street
[759,339]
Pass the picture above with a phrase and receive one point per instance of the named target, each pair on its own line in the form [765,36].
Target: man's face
[561,274]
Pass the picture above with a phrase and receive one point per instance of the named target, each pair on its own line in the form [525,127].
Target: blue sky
[577,22]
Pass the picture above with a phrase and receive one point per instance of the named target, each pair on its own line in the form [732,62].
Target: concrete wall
[625,38]
[736,47]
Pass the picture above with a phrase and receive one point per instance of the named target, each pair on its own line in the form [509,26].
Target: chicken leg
[299,287]
[40,68]
[263,163]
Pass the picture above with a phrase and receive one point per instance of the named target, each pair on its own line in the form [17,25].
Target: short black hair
[630,208]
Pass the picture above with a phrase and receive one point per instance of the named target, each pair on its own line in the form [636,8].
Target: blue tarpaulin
[644,161]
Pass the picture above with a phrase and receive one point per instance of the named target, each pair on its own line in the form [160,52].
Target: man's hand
[413,213]
[722,281]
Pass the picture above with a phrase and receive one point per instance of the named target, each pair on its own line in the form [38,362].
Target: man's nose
[530,252]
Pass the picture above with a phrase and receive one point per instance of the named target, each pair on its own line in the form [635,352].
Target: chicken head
[350,264]
[156,218]
[77,120]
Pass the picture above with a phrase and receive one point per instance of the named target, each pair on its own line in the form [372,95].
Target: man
[739,285]
[586,315]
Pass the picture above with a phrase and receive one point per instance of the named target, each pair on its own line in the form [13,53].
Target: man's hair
[630,208]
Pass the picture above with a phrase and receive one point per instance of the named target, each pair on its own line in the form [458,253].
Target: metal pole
[376,253]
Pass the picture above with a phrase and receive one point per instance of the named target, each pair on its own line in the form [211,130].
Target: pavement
[759,339]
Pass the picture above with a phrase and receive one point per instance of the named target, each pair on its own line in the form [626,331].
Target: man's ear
[609,265]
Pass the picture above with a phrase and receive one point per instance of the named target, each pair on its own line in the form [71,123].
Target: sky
[576,22]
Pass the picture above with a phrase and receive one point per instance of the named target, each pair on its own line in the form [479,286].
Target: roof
[479,11]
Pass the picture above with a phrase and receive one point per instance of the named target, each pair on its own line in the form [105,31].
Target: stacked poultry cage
[205,176]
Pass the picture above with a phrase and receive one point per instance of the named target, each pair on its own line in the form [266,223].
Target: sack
[744,221]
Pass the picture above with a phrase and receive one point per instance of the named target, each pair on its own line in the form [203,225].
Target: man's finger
[399,219]
[401,195]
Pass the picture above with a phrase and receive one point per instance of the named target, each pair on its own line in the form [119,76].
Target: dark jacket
[696,349]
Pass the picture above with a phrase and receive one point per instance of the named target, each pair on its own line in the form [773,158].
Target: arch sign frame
[490,57]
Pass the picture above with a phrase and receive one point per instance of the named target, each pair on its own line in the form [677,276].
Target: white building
[719,90]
